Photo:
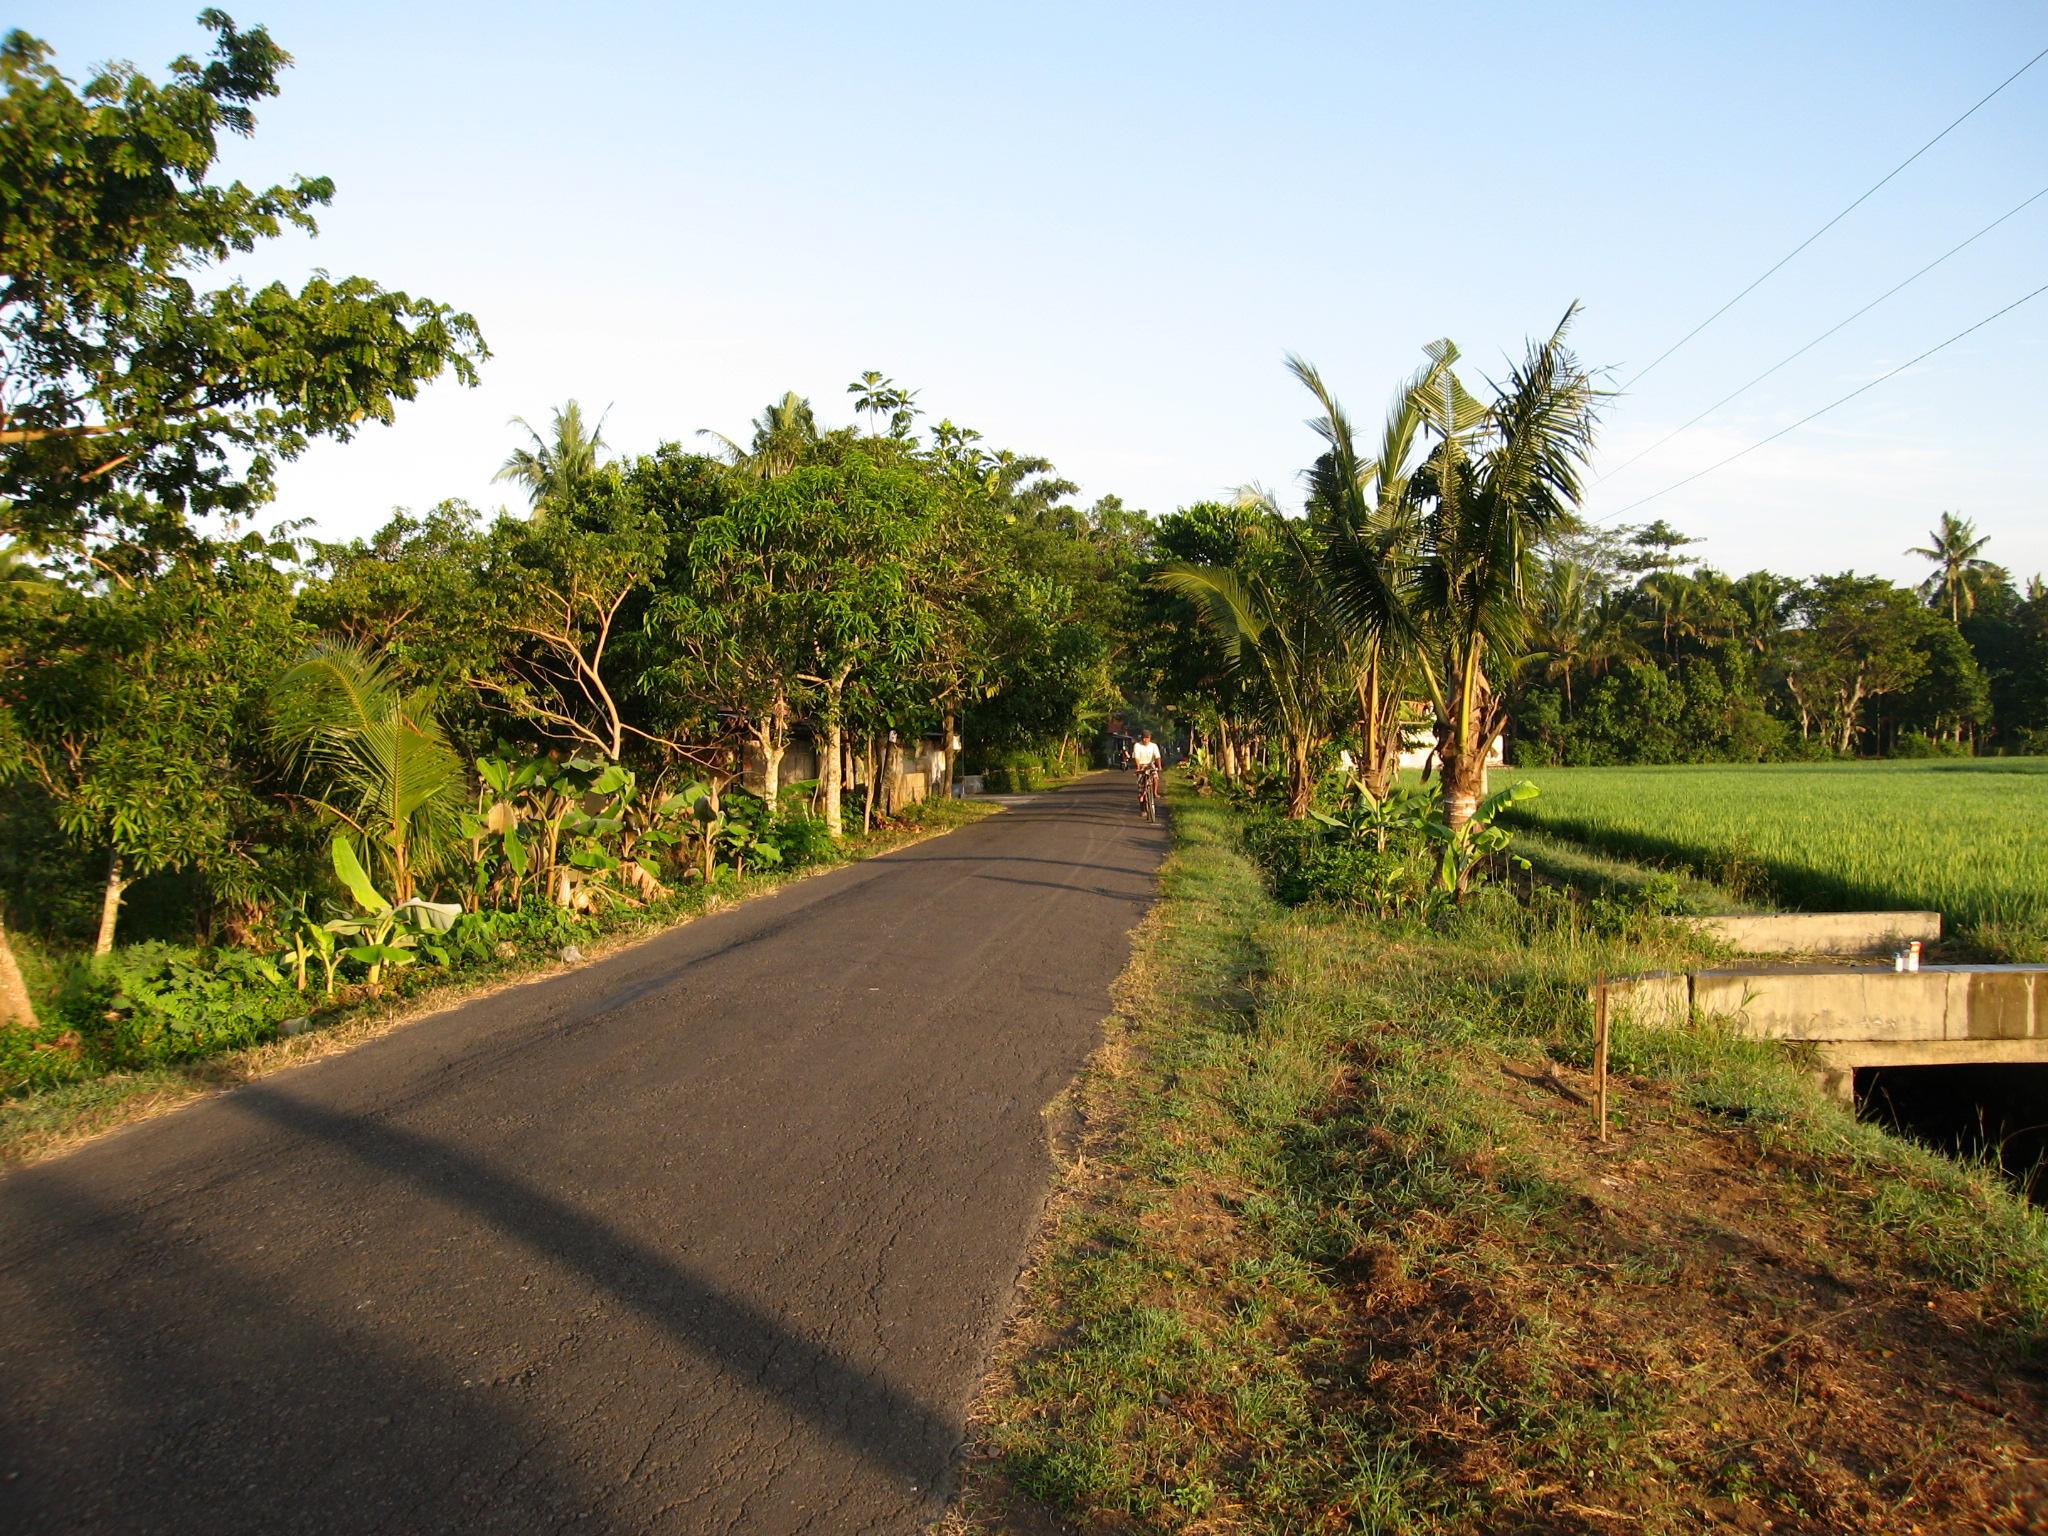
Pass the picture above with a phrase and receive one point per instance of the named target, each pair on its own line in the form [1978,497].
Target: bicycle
[1148,792]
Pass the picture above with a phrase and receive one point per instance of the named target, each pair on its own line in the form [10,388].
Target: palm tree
[1681,606]
[1561,633]
[881,398]
[553,468]
[388,771]
[1760,600]
[784,436]
[1366,549]
[1960,571]
[1500,482]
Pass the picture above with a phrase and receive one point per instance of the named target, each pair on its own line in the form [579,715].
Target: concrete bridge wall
[1936,1016]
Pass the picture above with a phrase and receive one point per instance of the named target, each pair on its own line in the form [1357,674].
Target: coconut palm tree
[379,763]
[1367,530]
[784,435]
[553,467]
[1562,629]
[1961,572]
[1760,600]
[1500,482]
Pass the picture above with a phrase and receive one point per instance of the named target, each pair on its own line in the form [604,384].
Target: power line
[1823,336]
[1831,223]
[1802,421]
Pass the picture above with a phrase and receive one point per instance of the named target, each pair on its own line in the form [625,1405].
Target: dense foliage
[1635,660]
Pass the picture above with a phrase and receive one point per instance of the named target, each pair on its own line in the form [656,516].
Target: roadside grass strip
[1967,837]
[1338,1249]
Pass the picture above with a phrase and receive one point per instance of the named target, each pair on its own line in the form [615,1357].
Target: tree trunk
[110,907]
[829,768]
[1461,749]
[770,741]
[1301,781]
[1463,776]
[15,1007]
[867,763]
[946,753]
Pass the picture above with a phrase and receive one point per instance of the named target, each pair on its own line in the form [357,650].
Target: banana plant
[743,833]
[492,828]
[1363,819]
[307,940]
[389,933]
[1470,843]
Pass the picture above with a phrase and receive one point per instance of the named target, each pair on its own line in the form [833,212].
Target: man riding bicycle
[1145,764]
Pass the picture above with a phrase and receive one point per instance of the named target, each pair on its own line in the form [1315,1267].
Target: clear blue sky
[1093,231]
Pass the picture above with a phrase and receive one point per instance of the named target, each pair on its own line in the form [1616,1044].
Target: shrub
[1920,744]
[802,839]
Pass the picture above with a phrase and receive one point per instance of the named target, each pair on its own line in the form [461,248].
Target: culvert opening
[1997,1110]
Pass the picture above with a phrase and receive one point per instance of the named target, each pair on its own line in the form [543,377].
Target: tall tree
[130,395]
[1500,481]
[785,435]
[1961,572]
[1857,639]
[554,468]
[130,706]
[882,400]
[1285,642]
[1367,549]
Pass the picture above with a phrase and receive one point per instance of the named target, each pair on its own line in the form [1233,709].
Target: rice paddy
[1966,838]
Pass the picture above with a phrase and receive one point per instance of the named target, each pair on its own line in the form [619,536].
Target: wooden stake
[1600,1038]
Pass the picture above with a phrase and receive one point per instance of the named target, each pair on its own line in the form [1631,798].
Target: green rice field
[1966,838]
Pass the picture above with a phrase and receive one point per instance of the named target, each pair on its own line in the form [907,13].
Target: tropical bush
[1396,856]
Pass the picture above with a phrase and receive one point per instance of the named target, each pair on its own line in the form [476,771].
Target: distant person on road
[1145,763]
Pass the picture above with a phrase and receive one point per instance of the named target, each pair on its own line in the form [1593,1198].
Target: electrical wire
[1831,223]
[1823,336]
[1816,415]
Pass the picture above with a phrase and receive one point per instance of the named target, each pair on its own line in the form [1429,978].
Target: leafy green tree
[415,591]
[882,399]
[788,587]
[1951,698]
[131,395]
[554,468]
[1175,656]
[1857,639]
[1274,632]
[2009,637]
[565,590]
[133,708]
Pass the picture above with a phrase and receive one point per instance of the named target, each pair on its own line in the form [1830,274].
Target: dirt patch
[1712,1340]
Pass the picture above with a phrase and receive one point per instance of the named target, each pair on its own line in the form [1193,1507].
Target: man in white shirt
[1145,763]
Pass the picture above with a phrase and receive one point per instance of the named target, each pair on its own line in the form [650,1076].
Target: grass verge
[43,1123]
[1338,1250]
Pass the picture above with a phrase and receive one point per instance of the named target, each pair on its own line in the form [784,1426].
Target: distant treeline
[1633,659]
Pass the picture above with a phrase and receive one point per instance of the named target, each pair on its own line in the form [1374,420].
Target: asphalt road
[713,1235]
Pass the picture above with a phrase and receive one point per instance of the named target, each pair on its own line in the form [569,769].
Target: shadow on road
[188,1389]
[859,1408]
